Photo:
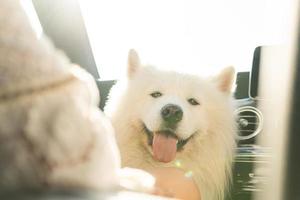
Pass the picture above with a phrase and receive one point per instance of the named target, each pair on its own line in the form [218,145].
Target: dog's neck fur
[135,154]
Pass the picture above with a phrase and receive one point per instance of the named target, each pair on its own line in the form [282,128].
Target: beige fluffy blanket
[51,132]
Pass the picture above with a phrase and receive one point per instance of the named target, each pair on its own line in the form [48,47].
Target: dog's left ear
[225,79]
[133,64]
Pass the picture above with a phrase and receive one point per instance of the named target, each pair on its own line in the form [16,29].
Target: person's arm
[173,182]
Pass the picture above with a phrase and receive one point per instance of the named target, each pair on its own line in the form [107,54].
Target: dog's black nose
[171,113]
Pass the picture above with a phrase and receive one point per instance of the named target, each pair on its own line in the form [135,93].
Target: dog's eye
[156,94]
[193,102]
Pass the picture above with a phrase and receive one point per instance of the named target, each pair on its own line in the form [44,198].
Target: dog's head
[171,108]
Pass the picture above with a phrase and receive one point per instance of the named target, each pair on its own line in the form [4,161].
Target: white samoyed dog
[165,118]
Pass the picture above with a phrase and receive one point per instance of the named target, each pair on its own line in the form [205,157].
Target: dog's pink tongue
[164,147]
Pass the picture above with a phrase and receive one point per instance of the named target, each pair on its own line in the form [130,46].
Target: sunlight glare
[193,36]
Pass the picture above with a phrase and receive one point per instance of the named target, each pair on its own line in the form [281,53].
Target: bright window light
[32,16]
[194,36]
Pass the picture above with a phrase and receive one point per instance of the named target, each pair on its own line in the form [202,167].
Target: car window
[184,35]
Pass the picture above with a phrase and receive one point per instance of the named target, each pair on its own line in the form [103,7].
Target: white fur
[52,133]
[208,155]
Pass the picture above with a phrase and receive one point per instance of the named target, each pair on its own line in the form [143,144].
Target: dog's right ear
[225,79]
[133,64]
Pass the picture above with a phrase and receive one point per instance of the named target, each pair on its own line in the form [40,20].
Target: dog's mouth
[165,144]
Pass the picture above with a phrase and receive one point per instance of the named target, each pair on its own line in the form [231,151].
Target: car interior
[67,29]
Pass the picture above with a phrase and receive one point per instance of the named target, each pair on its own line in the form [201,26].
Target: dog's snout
[171,113]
